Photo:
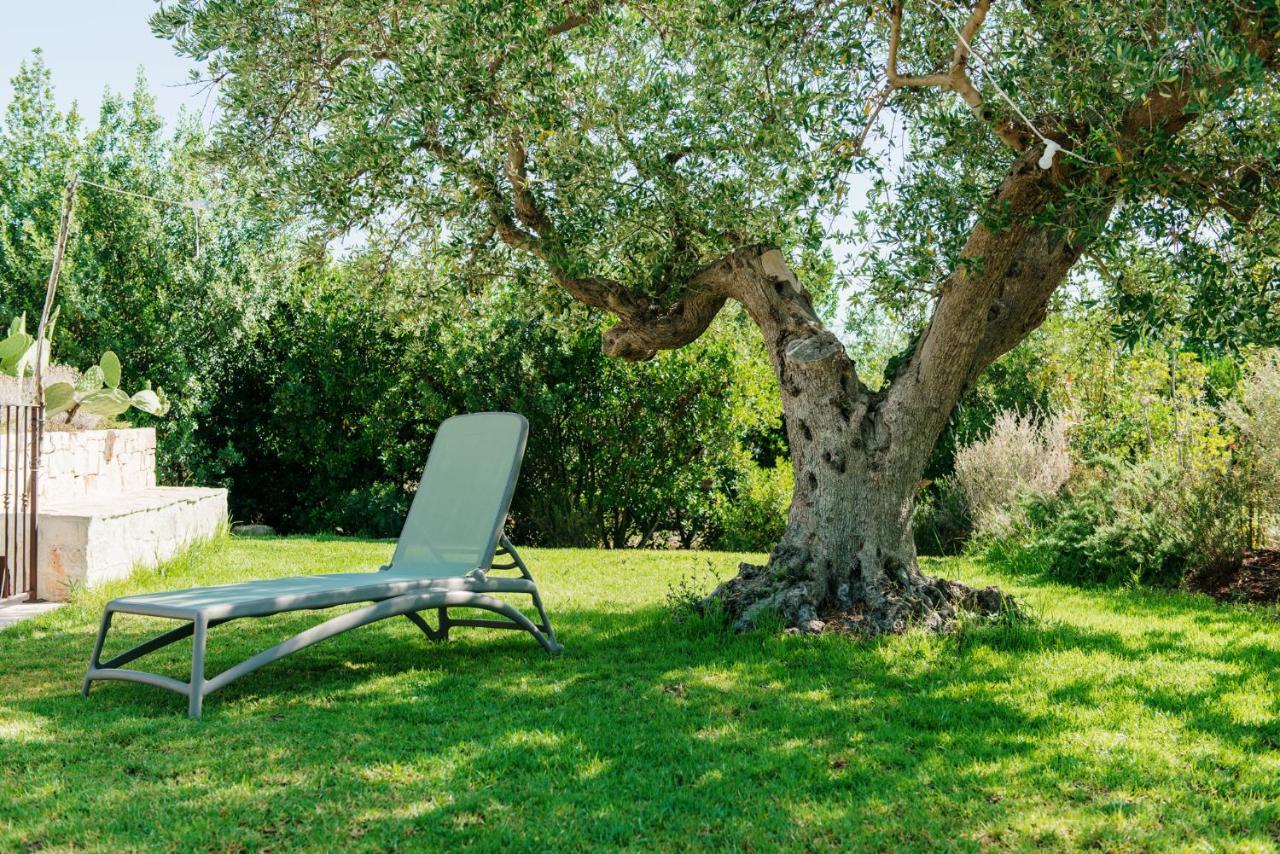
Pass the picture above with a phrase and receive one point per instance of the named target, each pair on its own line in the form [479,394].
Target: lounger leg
[195,697]
[442,617]
[440,634]
[546,622]
[554,646]
[95,658]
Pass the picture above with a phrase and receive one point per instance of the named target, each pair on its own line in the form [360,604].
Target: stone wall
[102,515]
[87,542]
[94,463]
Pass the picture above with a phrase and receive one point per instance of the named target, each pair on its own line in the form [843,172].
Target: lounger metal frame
[410,605]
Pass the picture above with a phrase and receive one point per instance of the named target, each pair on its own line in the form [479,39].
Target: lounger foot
[195,689]
[95,658]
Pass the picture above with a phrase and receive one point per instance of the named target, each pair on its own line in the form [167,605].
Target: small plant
[1019,458]
[683,598]
[98,392]
[686,598]
[18,349]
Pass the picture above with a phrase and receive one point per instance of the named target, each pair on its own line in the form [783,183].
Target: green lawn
[1120,719]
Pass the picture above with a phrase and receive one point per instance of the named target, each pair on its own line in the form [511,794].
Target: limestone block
[101,513]
[92,541]
[92,463]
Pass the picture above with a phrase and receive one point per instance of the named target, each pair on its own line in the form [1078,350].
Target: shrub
[1256,418]
[1020,458]
[1213,513]
[1117,525]
[1017,381]
[329,422]
[754,516]
[941,522]
[1150,523]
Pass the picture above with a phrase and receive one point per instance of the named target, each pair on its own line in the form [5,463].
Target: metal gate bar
[21,428]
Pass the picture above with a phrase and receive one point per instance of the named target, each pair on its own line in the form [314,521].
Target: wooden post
[36,431]
[36,413]
[51,290]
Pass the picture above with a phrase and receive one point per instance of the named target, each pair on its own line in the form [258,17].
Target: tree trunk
[847,558]
[847,555]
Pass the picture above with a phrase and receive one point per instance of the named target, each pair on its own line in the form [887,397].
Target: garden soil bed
[1257,580]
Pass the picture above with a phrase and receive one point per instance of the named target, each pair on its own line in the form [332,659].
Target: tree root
[907,599]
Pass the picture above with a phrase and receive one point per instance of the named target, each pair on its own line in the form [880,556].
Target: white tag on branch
[1050,148]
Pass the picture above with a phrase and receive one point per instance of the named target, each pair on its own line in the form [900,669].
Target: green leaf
[12,347]
[107,402]
[150,402]
[110,364]
[59,397]
[25,363]
[92,380]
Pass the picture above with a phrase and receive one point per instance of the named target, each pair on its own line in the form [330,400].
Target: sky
[91,45]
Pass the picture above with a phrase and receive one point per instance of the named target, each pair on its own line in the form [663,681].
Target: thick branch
[756,276]
[1236,193]
[1000,290]
[528,211]
[956,79]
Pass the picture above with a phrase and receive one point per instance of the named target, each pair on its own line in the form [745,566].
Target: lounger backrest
[457,516]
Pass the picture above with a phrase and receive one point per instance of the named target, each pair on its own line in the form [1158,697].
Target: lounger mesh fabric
[444,559]
[463,497]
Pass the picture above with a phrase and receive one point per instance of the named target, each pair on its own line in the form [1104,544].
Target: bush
[1019,381]
[1213,512]
[1167,503]
[1256,418]
[755,515]
[328,422]
[1117,526]
[1150,523]
[1019,458]
[941,522]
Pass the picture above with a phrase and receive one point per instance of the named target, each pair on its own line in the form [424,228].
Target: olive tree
[663,158]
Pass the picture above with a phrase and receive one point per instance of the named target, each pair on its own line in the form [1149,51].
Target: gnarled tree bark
[847,549]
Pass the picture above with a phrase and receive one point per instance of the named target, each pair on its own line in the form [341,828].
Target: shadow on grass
[643,732]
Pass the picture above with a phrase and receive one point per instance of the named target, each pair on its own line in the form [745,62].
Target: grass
[1118,719]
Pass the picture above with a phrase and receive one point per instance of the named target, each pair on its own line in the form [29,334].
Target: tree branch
[1237,194]
[1000,290]
[527,209]
[644,325]
[572,22]
[956,79]
[872,115]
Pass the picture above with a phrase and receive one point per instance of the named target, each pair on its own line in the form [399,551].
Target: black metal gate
[21,426]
